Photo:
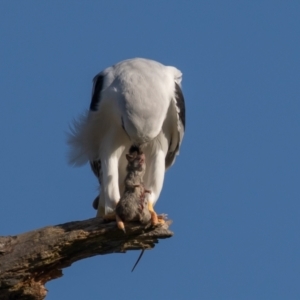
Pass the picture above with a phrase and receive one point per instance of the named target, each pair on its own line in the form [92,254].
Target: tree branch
[29,260]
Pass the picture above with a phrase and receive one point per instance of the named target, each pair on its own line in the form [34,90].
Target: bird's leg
[154,218]
[110,188]
[110,216]
[100,212]
[154,182]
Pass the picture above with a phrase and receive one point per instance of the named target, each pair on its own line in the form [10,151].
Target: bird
[136,102]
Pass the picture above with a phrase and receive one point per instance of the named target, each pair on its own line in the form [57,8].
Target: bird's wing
[176,116]
[96,91]
[100,83]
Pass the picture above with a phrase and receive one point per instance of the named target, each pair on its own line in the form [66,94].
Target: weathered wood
[29,260]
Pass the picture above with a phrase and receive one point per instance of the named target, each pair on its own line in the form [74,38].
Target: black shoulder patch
[98,84]
[179,99]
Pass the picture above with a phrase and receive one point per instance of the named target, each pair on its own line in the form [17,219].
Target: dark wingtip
[98,84]
[180,103]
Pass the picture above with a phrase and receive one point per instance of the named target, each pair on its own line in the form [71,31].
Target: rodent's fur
[133,205]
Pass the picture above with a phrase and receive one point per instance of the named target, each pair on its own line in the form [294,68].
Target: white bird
[135,102]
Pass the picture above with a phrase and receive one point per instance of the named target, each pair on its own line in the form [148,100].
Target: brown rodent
[133,205]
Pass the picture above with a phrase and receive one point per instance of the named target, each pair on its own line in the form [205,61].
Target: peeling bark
[29,260]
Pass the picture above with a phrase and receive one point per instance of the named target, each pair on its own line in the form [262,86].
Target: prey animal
[133,205]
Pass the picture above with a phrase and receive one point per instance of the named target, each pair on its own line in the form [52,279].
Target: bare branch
[29,260]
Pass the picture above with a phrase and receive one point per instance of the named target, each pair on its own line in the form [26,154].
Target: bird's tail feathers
[81,141]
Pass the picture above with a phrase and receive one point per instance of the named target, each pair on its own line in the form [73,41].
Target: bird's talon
[120,223]
[162,217]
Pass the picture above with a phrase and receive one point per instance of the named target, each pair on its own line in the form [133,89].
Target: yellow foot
[120,223]
[154,218]
[161,219]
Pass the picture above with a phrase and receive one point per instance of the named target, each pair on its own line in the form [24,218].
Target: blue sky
[233,193]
